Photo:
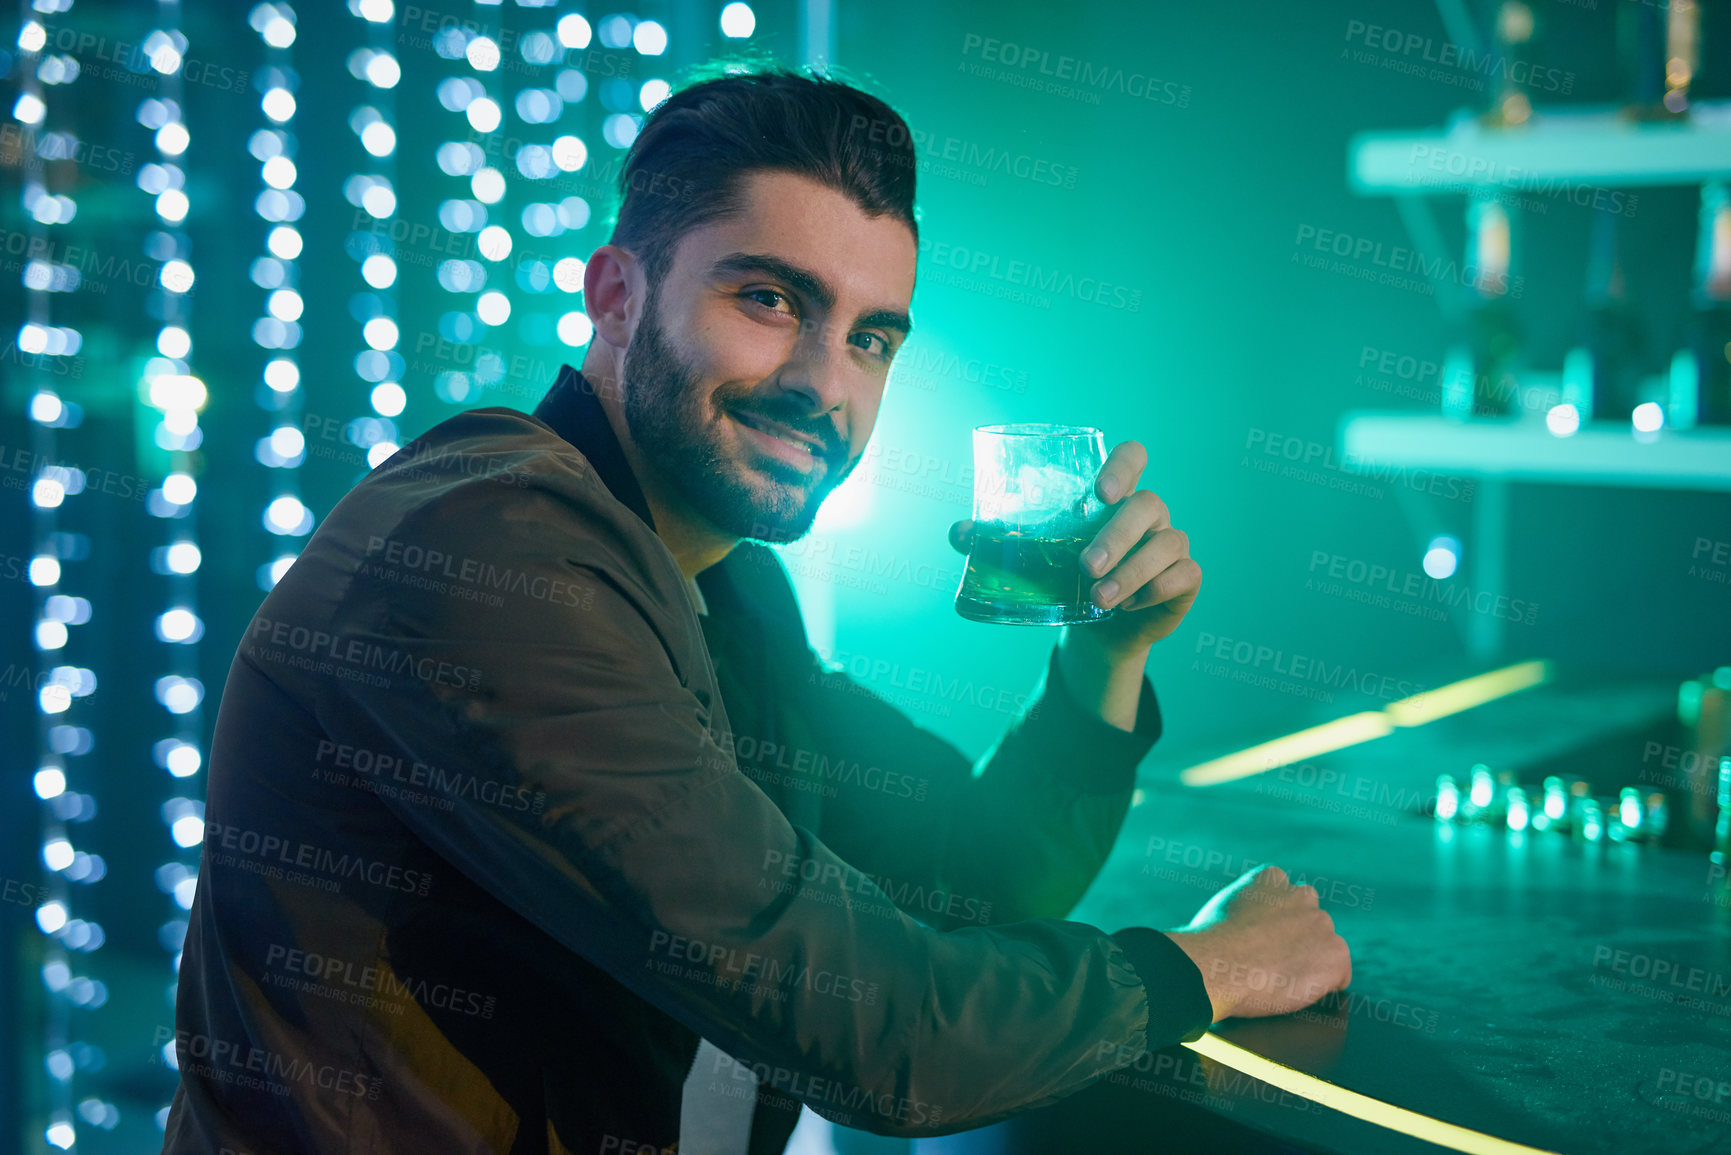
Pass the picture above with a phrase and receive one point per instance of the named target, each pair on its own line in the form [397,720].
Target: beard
[687,439]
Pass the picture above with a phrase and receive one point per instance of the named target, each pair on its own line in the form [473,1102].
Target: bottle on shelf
[1704,709]
[1480,376]
[1515,48]
[1600,373]
[1721,855]
[1658,815]
[1660,47]
[1700,383]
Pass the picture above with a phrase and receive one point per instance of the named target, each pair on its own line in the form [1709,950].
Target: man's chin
[781,533]
[778,526]
[751,516]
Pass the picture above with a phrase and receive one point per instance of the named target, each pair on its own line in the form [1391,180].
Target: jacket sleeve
[657,859]
[1021,833]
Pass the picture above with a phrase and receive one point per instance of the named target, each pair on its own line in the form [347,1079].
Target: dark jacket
[499,824]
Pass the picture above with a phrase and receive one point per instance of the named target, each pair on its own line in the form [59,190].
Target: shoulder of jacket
[488,476]
[491,432]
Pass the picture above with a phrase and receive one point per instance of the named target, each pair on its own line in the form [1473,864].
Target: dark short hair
[684,169]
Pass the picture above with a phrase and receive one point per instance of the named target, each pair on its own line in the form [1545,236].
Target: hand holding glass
[1035,510]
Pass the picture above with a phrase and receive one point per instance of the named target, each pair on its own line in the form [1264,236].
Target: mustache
[821,430]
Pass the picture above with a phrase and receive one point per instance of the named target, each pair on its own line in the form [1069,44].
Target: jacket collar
[572,409]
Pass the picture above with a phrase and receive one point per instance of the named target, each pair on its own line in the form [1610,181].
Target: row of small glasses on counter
[1561,805]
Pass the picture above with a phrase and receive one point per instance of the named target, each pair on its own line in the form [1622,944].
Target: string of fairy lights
[277,330]
[47,351]
[371,243]
[556,64]
[171,388]
[521,130]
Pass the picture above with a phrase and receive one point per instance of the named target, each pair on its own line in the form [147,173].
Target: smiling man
[534,823]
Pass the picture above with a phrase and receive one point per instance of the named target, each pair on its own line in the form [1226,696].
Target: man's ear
[614,290]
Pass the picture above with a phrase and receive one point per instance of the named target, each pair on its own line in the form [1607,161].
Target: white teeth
[810,449]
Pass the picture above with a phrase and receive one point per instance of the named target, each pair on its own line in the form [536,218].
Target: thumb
[962,535]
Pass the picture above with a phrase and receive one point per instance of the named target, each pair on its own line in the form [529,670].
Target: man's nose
[818,371]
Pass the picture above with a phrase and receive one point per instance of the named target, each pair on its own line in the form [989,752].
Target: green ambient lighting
[1355,728]
[1375,1111]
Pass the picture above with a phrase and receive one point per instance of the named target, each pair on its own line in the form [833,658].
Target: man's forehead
[812,227]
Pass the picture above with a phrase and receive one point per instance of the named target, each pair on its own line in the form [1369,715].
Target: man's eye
[883,345]
[756,294]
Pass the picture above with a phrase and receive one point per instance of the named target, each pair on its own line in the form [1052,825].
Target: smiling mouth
[783,433]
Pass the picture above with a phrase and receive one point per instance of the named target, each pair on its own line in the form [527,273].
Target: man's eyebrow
[807,283]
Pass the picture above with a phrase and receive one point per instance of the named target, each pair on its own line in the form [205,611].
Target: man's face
[754,376]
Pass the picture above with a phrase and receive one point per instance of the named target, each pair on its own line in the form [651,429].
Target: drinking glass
[1035,510]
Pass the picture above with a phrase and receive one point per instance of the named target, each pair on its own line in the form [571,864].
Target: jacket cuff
[1089,752]
[1179,1010]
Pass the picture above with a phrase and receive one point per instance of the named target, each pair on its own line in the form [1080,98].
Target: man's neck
[695,544]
